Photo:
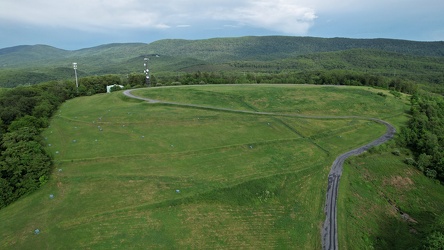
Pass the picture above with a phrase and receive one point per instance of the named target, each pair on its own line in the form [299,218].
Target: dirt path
[329,231]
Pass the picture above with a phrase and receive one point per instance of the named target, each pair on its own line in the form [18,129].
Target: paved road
[329,231]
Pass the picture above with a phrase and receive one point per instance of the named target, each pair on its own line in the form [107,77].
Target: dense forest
[424,134]
[28,65]
[373,62]
[24,112]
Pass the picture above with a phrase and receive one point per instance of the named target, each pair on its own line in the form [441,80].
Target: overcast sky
[75,24]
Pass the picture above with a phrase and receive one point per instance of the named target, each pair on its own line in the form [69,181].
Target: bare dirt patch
[399,182]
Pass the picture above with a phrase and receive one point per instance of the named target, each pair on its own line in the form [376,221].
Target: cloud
[92,15]
[293,17]
[183,26]
[279,15]
[102,15]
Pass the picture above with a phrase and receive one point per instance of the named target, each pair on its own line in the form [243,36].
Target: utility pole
[74,65]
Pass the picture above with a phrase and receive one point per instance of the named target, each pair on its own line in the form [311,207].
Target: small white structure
[108,87]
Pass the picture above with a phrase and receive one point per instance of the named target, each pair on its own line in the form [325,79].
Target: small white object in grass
[143,136]
[74,141]
[57,152]
[60,170]
[49,145]
[251,146]
[172,145]
[177,191]
[37,231]
[51,196]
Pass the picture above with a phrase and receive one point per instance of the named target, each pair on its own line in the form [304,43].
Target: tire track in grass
[329,234]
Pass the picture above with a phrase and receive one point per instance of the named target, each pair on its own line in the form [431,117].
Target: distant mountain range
[46,62]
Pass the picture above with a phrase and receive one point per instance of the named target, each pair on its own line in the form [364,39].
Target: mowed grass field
[129,174]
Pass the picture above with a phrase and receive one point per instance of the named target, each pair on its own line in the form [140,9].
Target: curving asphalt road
[329,231]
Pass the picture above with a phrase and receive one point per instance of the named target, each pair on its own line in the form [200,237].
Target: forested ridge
[376,63]
[215,49]
[39,63]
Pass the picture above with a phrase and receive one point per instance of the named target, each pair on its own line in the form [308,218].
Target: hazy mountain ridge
[275,47]
[267,47]
[172,55]
[29,55]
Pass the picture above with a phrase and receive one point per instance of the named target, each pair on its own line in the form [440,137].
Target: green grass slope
[130,174]
[386,204]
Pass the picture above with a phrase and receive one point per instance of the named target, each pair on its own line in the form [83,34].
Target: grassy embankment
[245,180]
[386,204]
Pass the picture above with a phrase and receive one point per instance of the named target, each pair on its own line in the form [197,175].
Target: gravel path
[329,231]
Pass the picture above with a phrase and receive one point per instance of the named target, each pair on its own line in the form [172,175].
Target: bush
[434,241]
[431,173]
[410,161]
[395,93]
[396,152]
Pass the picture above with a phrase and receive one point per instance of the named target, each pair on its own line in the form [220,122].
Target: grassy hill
[132,174]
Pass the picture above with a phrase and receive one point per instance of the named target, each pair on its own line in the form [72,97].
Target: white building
[108,87]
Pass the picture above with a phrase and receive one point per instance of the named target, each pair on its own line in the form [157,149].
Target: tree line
[24,113]
[424,134]
[321,77]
